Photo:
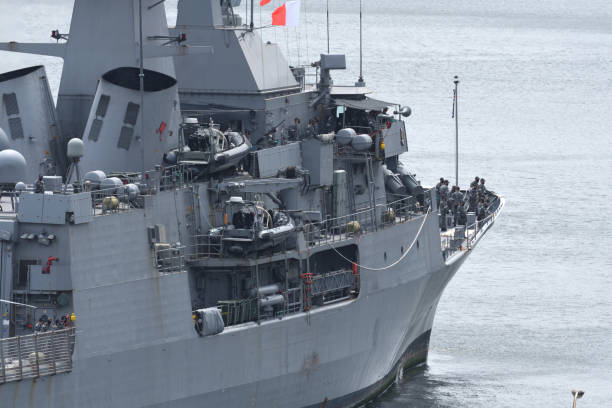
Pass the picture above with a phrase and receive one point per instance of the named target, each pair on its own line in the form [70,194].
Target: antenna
[328,26]
[360,82]
[141,76]
[252,6]
[456,112]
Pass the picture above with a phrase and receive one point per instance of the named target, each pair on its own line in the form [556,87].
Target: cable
[400,259]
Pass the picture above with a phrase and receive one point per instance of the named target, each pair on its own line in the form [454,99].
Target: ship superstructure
[226,236]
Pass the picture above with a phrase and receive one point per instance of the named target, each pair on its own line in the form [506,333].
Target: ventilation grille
[102,106]
[125,138]
[131,114]
[16,128]
[94,132]
[10,104]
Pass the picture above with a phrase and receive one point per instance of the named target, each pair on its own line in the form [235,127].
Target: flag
[264,2]
[287,15]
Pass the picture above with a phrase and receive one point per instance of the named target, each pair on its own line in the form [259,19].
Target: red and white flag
[264,2]
[287,15]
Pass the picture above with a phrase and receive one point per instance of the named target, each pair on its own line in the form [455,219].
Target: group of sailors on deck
[45,323]
[459,204]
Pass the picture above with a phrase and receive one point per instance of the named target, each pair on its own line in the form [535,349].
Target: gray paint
[30,119]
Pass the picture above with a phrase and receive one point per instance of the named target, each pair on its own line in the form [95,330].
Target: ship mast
[360,81]
[328,26]
[456,81]
[141,76]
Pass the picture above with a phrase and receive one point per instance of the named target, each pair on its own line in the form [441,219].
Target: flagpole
[456,81]
[328,26]
[360,81]
[141,76]
[360,44]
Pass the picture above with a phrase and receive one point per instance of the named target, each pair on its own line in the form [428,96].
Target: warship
[193,223]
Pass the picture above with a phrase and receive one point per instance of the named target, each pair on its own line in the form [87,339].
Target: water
[529,315]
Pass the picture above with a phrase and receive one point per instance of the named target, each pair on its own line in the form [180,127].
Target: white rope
[17,303]
[400,259]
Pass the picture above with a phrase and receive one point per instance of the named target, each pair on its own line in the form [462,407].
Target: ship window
[16,128]
[10,104]
[131,114]
[96,127]
[125,138]
[102,106]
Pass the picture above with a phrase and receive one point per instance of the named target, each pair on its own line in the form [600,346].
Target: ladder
[371,188]
[21,312]
[351,187]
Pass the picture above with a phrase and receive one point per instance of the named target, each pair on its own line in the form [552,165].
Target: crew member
[39,186]
[475,182]
[482,190]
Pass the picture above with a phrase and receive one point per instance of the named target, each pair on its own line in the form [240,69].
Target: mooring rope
[400,259]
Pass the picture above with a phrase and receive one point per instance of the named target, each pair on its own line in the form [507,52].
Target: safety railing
[166,178]
[36,355]
[467,235]
[238,311]
[110,201]
[114,200]
[364,221]
[475,230]
[205,246]
[169,258]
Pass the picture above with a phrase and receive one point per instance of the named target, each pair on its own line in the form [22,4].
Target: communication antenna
[456,114]
[360,82]
[328,26]
[141,76]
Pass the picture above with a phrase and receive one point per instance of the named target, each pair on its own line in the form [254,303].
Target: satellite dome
[20,186]
[75,149]
[12,167]
[4,141]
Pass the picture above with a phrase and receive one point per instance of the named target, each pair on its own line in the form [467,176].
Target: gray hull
[341,354]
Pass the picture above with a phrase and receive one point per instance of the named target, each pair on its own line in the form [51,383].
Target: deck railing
[330,230]
[364,221]
[469,234]
[205,246]
[169,258]
[36,355]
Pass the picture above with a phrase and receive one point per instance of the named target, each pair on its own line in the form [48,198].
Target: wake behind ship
[202,227]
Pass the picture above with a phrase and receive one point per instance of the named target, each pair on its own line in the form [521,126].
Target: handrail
[36,355]
[472,231]
[344,227]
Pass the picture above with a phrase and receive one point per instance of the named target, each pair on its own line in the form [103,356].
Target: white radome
[12,167]
[75,149]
